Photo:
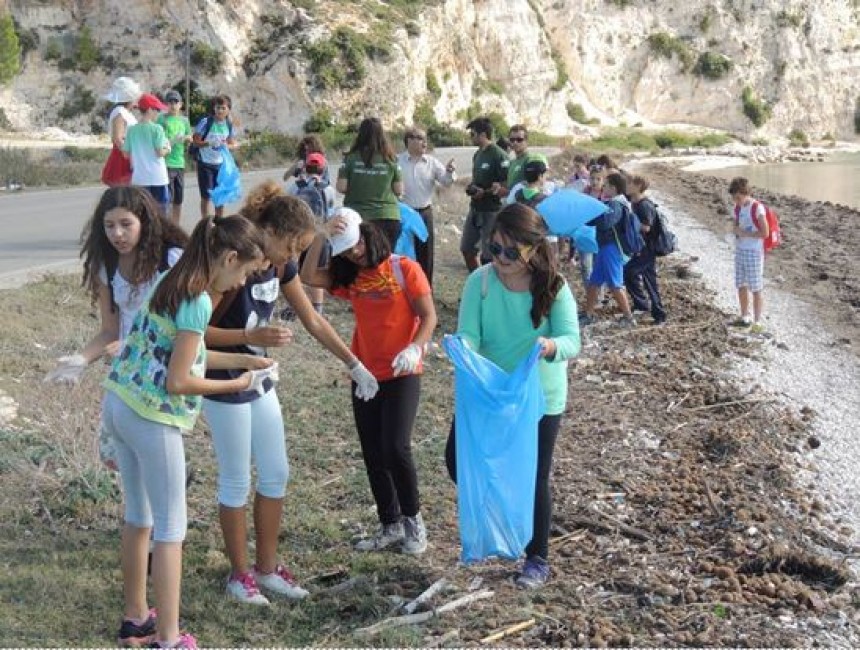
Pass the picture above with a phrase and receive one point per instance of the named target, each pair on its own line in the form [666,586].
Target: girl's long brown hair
[192,274]
[372,141]
[525,226]
[156,235]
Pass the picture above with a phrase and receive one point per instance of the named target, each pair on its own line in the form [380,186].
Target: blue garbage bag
[496,416]
[412,226]
[229,183]
[585,239]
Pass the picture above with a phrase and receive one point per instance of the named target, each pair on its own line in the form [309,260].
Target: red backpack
[774,234]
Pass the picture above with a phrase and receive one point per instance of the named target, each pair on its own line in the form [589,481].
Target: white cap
[123,89]
[349,237]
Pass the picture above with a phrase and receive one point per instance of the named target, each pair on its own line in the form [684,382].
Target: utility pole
[187,73]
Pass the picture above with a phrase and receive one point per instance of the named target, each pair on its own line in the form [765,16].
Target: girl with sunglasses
[507,306]
[394,320]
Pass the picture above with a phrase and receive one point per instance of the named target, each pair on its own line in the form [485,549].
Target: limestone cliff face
[528,59]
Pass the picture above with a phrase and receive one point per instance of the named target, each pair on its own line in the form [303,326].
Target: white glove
[69,370]
[107,448]
[366,385]
[259,376]
[406,362]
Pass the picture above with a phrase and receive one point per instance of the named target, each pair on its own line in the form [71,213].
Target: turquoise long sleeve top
[498,326]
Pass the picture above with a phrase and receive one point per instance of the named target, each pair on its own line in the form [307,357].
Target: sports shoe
[535,573]
[388,535]
[415,535]
[280,581]
[184,641]
[756,328]
[627,322]
[134,635]
[243,588]
[741,321]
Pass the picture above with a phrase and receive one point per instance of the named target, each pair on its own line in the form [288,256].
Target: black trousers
[391,228]
[424,249]
[385,431]
[548,427]
[642,270]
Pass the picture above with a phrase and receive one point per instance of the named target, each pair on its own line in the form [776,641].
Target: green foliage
[712,65]
[340,61]
[5,124]
[577,113]
[336,136]
[622,139]
[266,149]
[83,154]
[413,29]
[198,104]
[487,86]
[86,51]
[208,59]
[80,101]
[666,45]
[797,138]
[53,50]
[28,39]
[786,19]
[706,20]
[432,82]
[561,75]
[621,4]
[424,114]
[10,50]
[754,108]
[857,115]
[35,168]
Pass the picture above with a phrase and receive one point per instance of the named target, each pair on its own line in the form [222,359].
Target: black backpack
[520,197]
[661,240]
[194,149]
[312,192]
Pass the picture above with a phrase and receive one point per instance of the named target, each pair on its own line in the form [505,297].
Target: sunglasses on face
[517,139]
[510,253]
[416,137]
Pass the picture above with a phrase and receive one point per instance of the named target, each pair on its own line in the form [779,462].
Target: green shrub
[797,138]
[577,113]
[260,149]
[754,108]
[857,115]
[423,113]
[53,50]
[432,82]
[28,39]
[665,45]
[561,76]
[10,50]
[5,124]
[79,102]
[86,51]
[413,29]
[340,61]
[622,139]
[712,65]
[207,58]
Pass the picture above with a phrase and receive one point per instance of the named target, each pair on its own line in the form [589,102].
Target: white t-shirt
[746,223]
[122,111]
[129,298]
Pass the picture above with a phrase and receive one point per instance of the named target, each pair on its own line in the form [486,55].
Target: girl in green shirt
[507,306]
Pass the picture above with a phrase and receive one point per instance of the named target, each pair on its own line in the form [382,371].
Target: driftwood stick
[611,525]
[737,402]
[513,629]
[426,595]
[712,502]
[675,405]
[575,535]
[422,617]
[344,586]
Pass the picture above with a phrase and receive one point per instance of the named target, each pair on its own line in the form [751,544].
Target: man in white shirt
[421,173]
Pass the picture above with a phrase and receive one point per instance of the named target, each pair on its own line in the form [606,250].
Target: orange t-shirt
[385,322]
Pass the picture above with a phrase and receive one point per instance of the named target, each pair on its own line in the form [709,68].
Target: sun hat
[345,240]
[147,101]
[123,90]
[172,96]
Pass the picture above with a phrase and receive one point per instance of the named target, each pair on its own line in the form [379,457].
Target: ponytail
[192,274]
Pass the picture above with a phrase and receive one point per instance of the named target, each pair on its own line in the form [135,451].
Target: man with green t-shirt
[177,128]
[489,174]
[519,139]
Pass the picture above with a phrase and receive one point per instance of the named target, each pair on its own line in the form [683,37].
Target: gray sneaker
[387,535]
[415,540]
[627,322]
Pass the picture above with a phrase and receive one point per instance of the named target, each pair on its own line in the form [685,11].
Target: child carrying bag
[496,417]
[228,188]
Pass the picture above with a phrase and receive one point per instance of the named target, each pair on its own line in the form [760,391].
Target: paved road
[40,228]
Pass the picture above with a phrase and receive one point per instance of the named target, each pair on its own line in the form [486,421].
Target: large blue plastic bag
[496,418]
[229,184]
[412,226]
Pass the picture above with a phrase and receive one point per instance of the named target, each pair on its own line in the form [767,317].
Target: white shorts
[749,269]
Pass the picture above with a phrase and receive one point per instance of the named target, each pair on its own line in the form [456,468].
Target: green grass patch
[712,65]
[641,140]
[757,110]
[666,45]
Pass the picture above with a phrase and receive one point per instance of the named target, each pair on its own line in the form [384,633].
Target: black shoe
[132,635]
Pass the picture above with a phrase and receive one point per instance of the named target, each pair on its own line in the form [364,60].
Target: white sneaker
[415,538]
[388,535]
[244,589]
[280,581]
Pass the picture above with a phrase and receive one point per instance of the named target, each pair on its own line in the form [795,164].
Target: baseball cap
[535,166]
[172,96]
[147,102]
[349,237]
[315,159]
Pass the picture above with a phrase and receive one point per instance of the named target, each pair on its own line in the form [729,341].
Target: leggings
[151,461]
[241,432]
[385,431]
[547,433]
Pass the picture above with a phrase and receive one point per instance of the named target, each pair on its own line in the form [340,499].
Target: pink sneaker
[280,581]
[243,588]
[184,641]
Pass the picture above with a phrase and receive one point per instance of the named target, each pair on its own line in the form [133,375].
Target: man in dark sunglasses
[519,139]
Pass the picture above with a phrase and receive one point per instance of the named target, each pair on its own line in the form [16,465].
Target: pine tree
[10,50]
[87,54]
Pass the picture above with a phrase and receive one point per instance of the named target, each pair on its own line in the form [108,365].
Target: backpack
[194,149]
[774,234]
[312,192]
[520,197]
[628,233]
[662,240]
[397,270]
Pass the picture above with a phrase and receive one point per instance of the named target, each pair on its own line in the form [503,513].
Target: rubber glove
[366,385]
[69,370]
[259,376]
[407,360]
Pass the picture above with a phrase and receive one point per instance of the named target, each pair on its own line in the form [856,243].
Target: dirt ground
[678,520]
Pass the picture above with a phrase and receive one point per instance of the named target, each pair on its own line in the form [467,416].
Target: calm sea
[834,180]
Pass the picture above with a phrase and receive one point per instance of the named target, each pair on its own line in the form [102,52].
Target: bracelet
[352,365]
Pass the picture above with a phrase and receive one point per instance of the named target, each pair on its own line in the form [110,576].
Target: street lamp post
[187,73]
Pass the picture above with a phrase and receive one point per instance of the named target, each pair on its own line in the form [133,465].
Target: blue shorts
[207,178]
[608,267]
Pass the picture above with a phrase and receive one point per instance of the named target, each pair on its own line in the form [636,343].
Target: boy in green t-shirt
[178,130]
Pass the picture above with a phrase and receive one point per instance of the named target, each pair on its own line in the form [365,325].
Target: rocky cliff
[552,64]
